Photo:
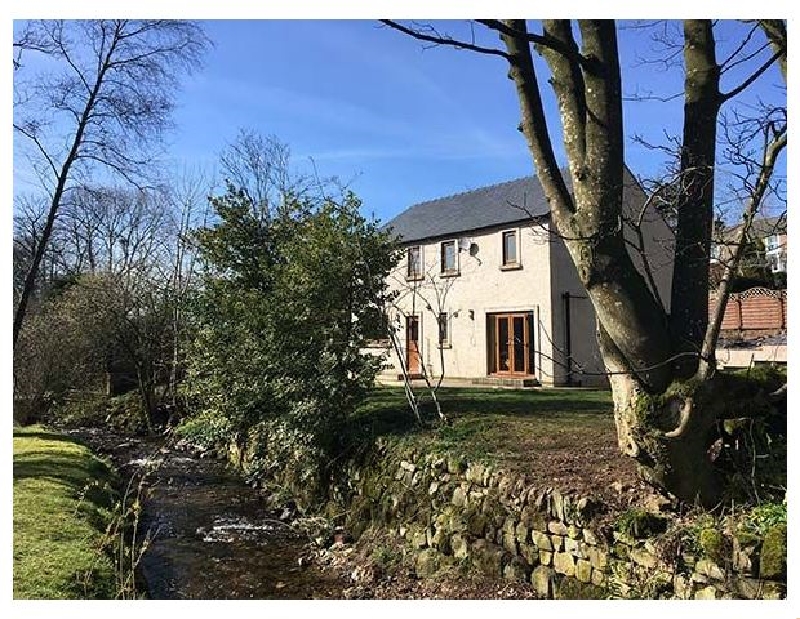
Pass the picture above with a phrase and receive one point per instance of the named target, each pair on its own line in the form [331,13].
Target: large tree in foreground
[94,94]
[660,363]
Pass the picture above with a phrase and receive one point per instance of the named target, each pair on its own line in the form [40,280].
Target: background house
[487,292]
[764,261]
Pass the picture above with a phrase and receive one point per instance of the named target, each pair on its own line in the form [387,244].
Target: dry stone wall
[472,516]
[455,513]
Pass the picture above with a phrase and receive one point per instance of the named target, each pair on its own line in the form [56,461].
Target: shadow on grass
[42,435]
[82,476]
[386,412]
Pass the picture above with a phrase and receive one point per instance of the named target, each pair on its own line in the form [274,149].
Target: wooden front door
[412,344]
[509,344]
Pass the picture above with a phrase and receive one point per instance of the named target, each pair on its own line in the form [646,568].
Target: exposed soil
[595,468]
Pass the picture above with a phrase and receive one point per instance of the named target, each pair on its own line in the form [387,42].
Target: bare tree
[106,103]
[115,315]
[757,177]
[30,213]
[429,291]
[188,194]
[645,349]
[260,165]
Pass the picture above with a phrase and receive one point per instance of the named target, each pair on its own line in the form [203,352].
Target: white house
[488,294]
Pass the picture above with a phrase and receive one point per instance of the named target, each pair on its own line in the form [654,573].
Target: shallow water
[213,536]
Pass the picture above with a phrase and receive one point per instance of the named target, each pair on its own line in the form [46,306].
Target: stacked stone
[453,512]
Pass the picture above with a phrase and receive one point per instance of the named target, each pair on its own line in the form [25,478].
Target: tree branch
[569,51]
[756,74]
[534,121]
[772,150]
[775,29]
[439,39]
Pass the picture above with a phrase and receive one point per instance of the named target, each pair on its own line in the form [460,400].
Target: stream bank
[215,537]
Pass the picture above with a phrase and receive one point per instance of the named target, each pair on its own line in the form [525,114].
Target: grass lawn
[58,521]
[560,437]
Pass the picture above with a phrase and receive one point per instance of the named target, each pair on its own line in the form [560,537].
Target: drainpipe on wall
[567,337]
[539,343]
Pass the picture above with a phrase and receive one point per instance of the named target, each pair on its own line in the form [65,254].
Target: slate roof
[496,205]
[487,207]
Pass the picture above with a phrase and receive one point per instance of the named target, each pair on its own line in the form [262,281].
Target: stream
[213,536]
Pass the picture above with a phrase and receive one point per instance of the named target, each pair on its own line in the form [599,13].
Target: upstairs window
[448,251]
[414,262]
[510,248]
[772,242]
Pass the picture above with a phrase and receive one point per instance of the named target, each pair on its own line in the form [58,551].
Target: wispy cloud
[348,38]
[454,149]
[307,108]
[366,131]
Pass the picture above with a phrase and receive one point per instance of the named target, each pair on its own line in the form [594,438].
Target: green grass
[62,505]
[483,420]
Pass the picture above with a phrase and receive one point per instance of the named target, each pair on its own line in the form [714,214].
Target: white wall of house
[481,287]
[656,243]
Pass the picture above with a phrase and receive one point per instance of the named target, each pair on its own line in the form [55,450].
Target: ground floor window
[444,330]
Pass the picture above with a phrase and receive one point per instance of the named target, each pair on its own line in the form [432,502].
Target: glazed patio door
[509,338]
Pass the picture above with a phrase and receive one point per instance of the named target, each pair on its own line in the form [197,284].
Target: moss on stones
[428,562]
[639,523]
[773,553]
[711,543]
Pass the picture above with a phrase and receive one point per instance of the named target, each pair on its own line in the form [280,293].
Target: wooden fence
[757,311]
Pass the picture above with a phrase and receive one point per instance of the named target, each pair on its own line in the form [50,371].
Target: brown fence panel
[754,309]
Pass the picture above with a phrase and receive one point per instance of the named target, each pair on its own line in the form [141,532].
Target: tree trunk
[173,371]
[61,183]
[668,435]
[147,395]
[695,205]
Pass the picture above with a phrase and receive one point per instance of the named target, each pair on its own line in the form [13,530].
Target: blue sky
[399,122]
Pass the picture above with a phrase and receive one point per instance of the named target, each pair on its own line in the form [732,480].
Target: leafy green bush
[207,430]
[761,518]
[286,305]
[286,456]
[123,413]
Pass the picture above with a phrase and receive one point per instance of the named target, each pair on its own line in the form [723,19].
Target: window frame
[504,264]
[456,270]
[419,274]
